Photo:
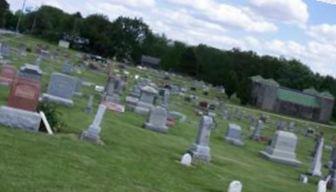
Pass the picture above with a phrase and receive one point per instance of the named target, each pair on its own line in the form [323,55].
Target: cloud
[328,1]
[325,33]
[226,15]
[288,11]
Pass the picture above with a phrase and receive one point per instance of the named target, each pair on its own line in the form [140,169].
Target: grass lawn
[135,159]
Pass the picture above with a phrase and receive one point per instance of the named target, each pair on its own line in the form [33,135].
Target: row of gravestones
[25,86]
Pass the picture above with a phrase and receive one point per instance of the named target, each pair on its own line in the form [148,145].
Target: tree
[4,11]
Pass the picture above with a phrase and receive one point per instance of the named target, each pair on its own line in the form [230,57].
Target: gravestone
[38,61]
[92,134]
[89,106]
[113,89]
[332,156]
[24,94]
[157,120]
[316,165]
[78,86]
[322,186]
[61,89]
[303,179]
[7,75]
[257,131]
[291,126]
[165,98]
[18,118]
[233,135]
[186,160]
[29,71]
[235,186]
[67,68]
[147,100]
[282,149]
[200,149]
[281,125]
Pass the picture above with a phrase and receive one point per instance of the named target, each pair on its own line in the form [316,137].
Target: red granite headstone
[7,75]
[24,94]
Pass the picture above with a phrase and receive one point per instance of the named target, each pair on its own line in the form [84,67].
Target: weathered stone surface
[61,89]
[92,134]
[157,120]
[282,149]
[200,149]
[233,135]
[18,118]
[24,94]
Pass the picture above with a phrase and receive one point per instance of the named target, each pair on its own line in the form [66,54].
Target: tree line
[129,38]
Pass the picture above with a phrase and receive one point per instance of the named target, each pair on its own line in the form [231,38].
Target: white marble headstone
[186,160]
[235,186]
[322,186]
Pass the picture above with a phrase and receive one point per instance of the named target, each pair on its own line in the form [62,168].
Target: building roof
[311,91]
[260,79]
[327,94]
[297,98]
[151,60]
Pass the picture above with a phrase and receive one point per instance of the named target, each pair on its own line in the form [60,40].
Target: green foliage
[53,116]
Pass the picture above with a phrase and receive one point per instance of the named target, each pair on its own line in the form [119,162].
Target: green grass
[135,159]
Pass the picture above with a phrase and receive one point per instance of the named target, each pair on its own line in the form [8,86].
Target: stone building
[309,104]
[152,62]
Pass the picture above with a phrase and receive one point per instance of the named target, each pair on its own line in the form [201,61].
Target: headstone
[93,132]
[67,68]
[303,179]
[332,156]
[200,149]
[7,75]
[24,94]
[38,61]
[257,131]
[281,125]
[322,186]
[316,165]
[282,149]
[147,100]
[157,120]
[291,126]
[30,72]
[89,106]
[165,98]
[61,89]
[235,186]
[18,118]
[233,135]
[186,160]
[78,86]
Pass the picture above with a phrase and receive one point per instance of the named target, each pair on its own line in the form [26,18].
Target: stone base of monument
[5,81]
[200,153]
[91,137]
[131,103]
[58,100]
[143,108]
[234,141]
[156,128]
[282,157]
[21,119]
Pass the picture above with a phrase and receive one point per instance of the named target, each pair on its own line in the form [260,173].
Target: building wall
[326,110]
[294,110]
[269,99]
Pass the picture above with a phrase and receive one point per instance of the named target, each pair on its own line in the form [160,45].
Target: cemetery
[132,129]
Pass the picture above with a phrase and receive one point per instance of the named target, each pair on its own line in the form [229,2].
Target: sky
[300,29]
